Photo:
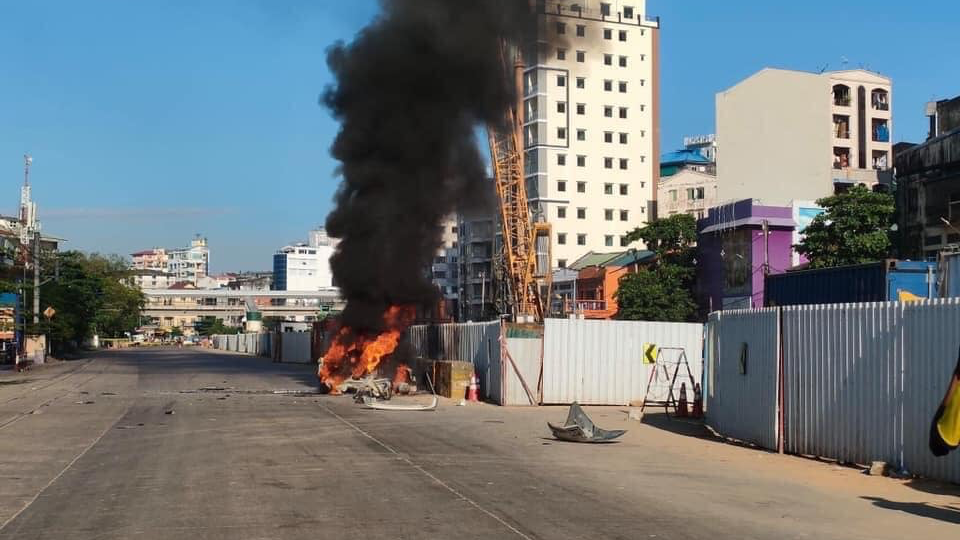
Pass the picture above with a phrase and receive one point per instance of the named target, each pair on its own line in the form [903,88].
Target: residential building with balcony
[598,280]
[303,267]
[149,259]
[686,192]
[190,263]
[445,267]
[591,122]
[788,135]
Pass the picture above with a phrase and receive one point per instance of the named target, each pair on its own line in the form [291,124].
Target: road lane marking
[426,473]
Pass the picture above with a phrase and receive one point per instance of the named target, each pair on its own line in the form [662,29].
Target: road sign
[649,353]
[49,312]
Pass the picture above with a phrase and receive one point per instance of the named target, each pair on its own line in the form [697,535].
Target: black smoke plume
[411,90]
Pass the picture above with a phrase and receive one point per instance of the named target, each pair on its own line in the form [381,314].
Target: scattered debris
[86,402]
[579,428]
[373,403]
[168,412]
[107,394]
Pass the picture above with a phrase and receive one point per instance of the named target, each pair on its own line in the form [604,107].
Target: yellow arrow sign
[649,353]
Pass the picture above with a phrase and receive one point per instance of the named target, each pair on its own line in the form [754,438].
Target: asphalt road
[190,444]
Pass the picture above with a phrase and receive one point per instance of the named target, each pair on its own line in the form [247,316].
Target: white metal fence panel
[743,357]
[296,347]
[930,355]
[844,375]
[526,355]
[601,362]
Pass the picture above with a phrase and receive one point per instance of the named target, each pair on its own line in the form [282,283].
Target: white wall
[774,133]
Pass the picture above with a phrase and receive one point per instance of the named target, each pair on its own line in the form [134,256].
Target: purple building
[732,248]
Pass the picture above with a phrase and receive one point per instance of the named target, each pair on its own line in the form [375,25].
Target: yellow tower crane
[526,243]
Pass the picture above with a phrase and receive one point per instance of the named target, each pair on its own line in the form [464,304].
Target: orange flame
[354,354]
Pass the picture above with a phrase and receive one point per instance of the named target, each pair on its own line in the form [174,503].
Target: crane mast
[527,268]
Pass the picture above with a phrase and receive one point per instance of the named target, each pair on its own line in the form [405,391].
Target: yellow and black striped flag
[945,428]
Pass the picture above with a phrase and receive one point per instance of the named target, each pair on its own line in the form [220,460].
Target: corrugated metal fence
[601,362]
[477,343]
[861,381]
[742,365]
[255,344]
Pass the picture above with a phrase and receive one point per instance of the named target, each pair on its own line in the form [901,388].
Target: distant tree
[90,295]
[210,326]
[176,332]
[662,290]
[853,229]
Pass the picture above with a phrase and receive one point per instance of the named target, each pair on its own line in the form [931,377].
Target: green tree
[853,229]
[91,295]
[209,326]
[662,290]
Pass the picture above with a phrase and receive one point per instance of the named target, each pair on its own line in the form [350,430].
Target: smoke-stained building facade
[591,126]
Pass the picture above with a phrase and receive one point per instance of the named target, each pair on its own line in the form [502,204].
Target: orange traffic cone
[697,401]
[472,392]
[682,402]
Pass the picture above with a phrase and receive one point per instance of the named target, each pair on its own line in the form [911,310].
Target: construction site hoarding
[602,362]
[741,363]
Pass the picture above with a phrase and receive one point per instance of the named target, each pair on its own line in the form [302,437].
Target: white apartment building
[591,126]
[686,192]
[786,135]
[305,267]
[445,267]
[190,263]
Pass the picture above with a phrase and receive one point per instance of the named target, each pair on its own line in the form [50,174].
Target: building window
[581,82]
[581,109]
[623,87]
[623,112]
[561,212]
[581,30]
[607,85]
[627,12]
[608,136]
[608,111]
[561,159]
[643,108]
[561,54]
[841,95]
[581,134]
[623,189]
[608,59]
[608,163]
[623,164]
[562,238]
[608,189]
[561,28]
[623,241]
[581,161]
[561,80]
[581,239]
[561,185]
[581,213]
[624,215]
[623,36]
[561,107]
[562,263]
[581,56]
[607,33]
[581,187]
[608,240]
[623,138]
[623,63]
[643,82]
[605,9]
[608,214]
[561,133]
[673,195]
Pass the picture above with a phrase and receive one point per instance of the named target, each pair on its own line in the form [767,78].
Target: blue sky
[152,121]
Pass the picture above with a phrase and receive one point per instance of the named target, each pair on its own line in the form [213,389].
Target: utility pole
[483,294]
[766,247]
